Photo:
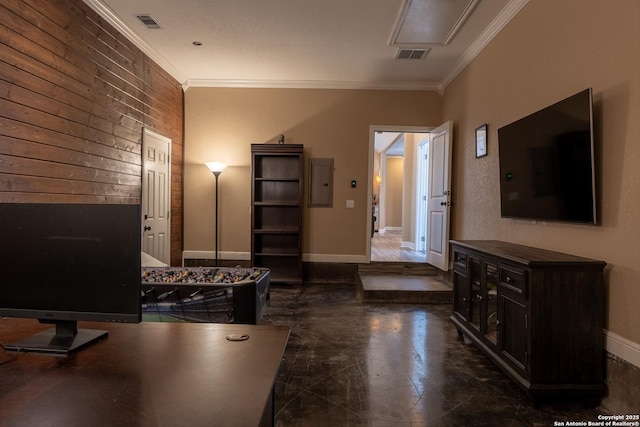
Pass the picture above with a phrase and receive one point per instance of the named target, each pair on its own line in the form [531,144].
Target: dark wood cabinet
[460,286]
[538,314]
[277,210]
[513,326]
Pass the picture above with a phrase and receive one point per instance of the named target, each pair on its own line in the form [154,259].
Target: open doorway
[399,170]
[437,184]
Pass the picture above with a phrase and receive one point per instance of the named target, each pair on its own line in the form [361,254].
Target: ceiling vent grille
[412,53]
[148,21]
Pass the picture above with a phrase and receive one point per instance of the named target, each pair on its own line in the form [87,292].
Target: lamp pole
[216,174]
[216,168]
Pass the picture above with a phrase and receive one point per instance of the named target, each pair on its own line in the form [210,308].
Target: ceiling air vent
[148,21]
[412,53]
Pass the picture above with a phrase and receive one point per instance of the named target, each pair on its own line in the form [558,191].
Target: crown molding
[505,16]
[311,84]
[108,15]
[112,18]
[492,30]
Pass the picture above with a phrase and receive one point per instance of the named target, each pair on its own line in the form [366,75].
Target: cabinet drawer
[515,279]
[460,259]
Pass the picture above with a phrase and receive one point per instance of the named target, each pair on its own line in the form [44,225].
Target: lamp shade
[216,167]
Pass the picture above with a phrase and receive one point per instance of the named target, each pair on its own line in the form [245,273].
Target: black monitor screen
[547,163]
[70,262]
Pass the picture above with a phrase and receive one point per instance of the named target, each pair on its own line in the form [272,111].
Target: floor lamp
[216,168]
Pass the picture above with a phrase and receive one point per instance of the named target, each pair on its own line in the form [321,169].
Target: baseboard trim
[341,259]
[623,348]
[408,245]
[212,255]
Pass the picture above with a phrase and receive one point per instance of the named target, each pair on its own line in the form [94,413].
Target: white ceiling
[388,143]
[311,43]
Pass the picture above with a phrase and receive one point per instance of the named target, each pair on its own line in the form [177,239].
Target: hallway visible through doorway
[425,154]
[386,247]
[399,193]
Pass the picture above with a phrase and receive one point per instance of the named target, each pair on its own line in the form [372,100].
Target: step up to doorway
[398,268]
[405,289]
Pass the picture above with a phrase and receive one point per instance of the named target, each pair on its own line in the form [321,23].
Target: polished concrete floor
[350,363]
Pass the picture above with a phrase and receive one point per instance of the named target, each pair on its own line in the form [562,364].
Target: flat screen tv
[64,263]
[547,163]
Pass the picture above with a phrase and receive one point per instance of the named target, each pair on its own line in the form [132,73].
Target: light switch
[350,204]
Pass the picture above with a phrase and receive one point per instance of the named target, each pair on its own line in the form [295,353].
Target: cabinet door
[513,340]
[460,294]
[475,298]
[490,307]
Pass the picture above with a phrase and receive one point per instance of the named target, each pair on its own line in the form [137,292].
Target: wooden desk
[147,374]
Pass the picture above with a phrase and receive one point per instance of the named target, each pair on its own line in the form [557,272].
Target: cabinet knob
[508,279]
[479,298]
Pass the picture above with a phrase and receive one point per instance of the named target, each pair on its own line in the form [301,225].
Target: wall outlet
[350,204]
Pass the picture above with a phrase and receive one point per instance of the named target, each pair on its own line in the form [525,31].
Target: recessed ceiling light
[197,43]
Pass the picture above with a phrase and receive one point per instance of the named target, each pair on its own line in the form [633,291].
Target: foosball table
[205,294]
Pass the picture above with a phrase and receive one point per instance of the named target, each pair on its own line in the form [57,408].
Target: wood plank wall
[75,96]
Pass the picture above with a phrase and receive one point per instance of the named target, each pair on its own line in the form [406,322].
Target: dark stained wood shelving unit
[277,210]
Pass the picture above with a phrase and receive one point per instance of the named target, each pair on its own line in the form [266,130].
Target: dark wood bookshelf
[277,210]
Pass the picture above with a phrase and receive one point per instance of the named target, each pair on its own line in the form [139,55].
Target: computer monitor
[64,263]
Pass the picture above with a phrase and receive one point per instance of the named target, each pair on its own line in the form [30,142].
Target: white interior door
[439,196]
[156,196]
[421,195]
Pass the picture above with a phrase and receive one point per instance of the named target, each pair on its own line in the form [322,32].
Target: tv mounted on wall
[547,163]
[64,263]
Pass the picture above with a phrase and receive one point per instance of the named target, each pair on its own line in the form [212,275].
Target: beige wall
[220,124]
[550,50]
[393,183]
[410,187]
[409,190]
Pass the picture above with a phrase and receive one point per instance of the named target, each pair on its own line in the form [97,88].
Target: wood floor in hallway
[386,247]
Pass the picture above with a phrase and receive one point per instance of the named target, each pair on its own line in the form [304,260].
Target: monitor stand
[64,339]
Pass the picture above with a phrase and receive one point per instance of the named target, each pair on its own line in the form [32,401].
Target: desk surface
[147,374]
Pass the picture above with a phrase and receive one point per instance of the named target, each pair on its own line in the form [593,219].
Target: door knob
[147,228]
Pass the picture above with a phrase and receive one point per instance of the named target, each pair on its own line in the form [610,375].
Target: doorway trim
[148,134]
[372,133]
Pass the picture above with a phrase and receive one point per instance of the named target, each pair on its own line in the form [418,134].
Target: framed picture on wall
[481,141]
